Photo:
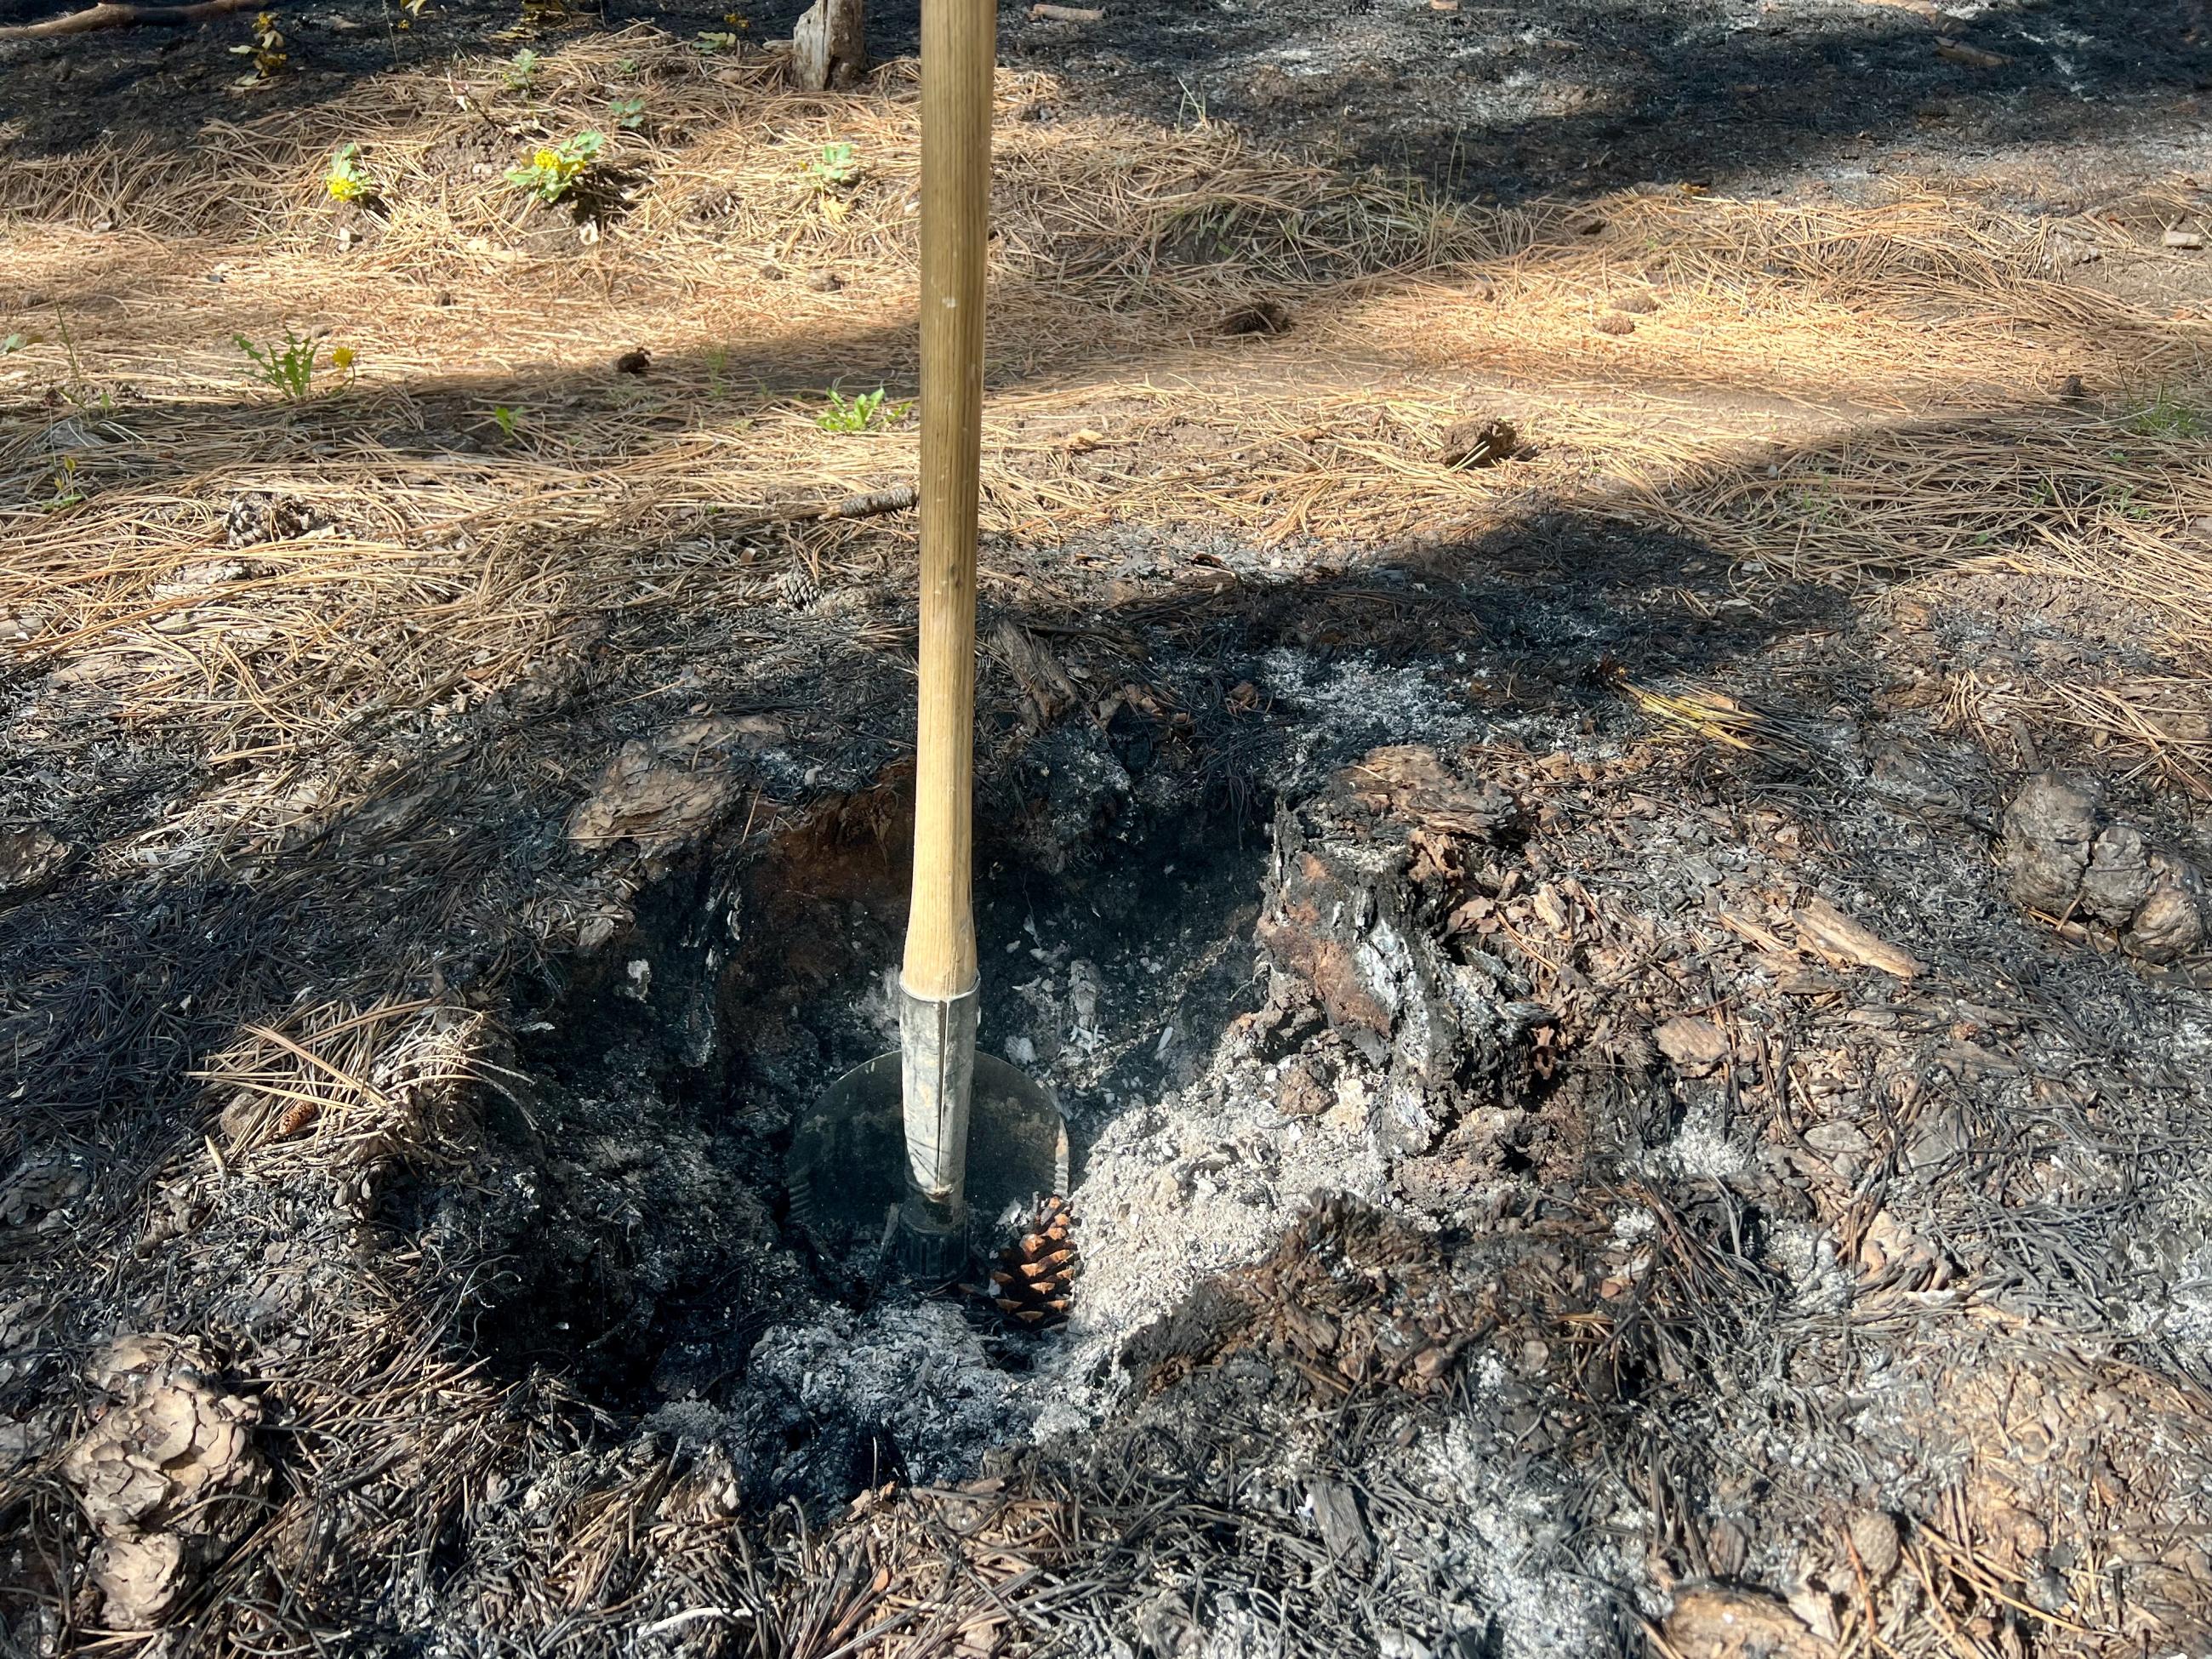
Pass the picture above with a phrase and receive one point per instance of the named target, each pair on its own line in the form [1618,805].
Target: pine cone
[797,587]
[1034,1279]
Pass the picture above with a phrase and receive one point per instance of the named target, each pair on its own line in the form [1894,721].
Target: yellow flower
[342,357]
[343,188]
[547,160]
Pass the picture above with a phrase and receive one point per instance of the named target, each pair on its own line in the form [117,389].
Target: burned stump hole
[635,1189]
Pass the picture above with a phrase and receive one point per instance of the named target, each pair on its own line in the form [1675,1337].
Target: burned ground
[1592,807]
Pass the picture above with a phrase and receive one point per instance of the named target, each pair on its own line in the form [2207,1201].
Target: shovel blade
[846,1172]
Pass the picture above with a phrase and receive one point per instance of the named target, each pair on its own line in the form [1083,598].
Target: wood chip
[1717,1623]
[1972,57]
[1337,1518]
[1745,927]
[1829,934]
[1696,1046]
[1552,908]
[1066,15]
[2183,239]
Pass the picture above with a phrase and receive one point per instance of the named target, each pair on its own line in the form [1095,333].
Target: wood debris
[1830,934]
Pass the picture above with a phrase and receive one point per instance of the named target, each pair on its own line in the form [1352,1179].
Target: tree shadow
[1476,101]
[124,979]
[1486,101]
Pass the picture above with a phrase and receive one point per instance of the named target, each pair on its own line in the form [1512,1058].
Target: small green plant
[554,169]
[346,180]
[716,41]
[14,342]
[289,367]
[2167,416]
[1817,505]
[835,168]
[76,388]
[521,74]
[506,419]
[626,114]
[2123,500]
[859,414]
[64,487]
[267,51]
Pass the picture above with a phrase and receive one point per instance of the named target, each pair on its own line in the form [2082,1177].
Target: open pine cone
[1034,1279]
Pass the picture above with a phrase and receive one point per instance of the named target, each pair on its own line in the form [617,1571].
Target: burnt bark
[1357,918]
[829,46]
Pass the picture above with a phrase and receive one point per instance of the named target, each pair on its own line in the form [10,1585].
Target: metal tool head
[847,1170]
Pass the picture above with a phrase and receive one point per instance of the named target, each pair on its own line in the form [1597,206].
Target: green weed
[627,114]
[64,487]
[1816,506]
[2167,416]
[346,180]
[2123,500]
[859,414]
[554,169]
[835,168]
[267,51]
[290,366]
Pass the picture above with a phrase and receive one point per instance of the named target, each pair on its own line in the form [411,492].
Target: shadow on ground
[1478,101]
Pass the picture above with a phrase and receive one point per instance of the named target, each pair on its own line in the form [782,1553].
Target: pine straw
[2160,723]
[2105,500]
[296,596]
[446,558]
[343,1088]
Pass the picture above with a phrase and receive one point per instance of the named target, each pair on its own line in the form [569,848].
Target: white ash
[2183,1316]
[1205,1181]
[1491,1540]
[1805,1254]
[1355,701]
[1701,1149]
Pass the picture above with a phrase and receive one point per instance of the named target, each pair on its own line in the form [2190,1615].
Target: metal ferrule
[936,1051]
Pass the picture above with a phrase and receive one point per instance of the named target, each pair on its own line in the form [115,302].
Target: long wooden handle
[959,48]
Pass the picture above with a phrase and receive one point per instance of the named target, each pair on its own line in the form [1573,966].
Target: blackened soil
[646,1233]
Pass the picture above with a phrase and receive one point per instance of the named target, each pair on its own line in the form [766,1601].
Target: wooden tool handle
[959,49]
